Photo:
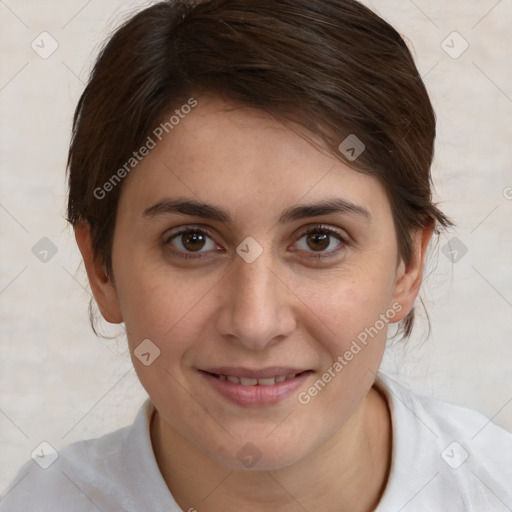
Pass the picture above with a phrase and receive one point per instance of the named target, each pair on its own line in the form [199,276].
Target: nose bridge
[255,309]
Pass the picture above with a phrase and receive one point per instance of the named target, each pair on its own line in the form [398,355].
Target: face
[245,255]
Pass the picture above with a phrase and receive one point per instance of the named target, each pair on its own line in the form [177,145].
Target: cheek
[163,304]
[169,309]
[348,321]
[347,307]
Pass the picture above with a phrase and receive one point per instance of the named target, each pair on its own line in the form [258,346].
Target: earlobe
[410,276]
[102,287]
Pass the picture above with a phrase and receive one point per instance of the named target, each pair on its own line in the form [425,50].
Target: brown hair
[331,66]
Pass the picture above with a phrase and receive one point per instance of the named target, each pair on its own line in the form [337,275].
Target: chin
[259,456]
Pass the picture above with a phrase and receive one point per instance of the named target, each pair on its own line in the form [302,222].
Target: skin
[286,308]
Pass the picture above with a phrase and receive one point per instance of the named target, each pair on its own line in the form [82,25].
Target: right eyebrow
[188,207]
[195,208]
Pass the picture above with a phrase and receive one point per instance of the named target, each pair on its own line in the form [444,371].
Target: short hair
[333,67]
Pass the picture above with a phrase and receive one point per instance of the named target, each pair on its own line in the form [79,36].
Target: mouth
[255,387]
[262,381]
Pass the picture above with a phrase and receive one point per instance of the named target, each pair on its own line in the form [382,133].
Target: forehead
[243,158]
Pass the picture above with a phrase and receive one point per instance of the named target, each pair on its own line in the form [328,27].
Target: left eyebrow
[331,206]
[199,209]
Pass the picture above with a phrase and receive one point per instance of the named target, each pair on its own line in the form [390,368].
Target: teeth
[248,382]
[266,382]
[260,382]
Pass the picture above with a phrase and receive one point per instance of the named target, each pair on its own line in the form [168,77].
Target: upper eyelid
[321,227]
[302,231]
[186,228]
[180,230]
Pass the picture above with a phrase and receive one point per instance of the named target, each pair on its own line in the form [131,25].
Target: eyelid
[180,230]
[302,231]
[311,228]
[331,231]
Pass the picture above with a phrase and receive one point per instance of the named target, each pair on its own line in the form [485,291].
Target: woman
[250,191]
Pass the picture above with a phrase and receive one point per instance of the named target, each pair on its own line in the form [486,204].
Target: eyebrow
[195,208]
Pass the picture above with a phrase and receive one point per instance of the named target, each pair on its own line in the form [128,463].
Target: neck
[348,473]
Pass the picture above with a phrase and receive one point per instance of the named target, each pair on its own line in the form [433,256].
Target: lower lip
[256,395]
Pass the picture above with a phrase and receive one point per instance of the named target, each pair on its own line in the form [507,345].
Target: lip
[255,396]
[263,373]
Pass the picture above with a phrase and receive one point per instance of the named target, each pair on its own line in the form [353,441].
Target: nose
[256,306]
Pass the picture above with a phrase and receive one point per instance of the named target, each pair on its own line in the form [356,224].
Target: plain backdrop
[59,383]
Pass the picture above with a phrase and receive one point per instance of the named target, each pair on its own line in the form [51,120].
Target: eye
[194,242]
[190,242]
[322,240]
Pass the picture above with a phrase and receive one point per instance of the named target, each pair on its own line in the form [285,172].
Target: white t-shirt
[445,458]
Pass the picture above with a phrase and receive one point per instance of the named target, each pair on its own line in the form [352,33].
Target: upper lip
[263,373]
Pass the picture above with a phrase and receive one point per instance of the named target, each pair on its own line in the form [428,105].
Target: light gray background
[59,383]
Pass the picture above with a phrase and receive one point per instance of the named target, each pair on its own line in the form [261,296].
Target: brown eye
[193,241]
[321,240]
[318,241]
[189,241]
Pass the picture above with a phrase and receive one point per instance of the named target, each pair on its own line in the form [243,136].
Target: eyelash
[317,229]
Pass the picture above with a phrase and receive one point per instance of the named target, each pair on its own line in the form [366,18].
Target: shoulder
[107,473]
[55,480]
[446,452]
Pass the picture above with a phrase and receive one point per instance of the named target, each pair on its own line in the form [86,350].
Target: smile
[244,381]
[256,389]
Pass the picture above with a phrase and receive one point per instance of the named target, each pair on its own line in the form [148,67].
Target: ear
[102,287]
[410,276]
